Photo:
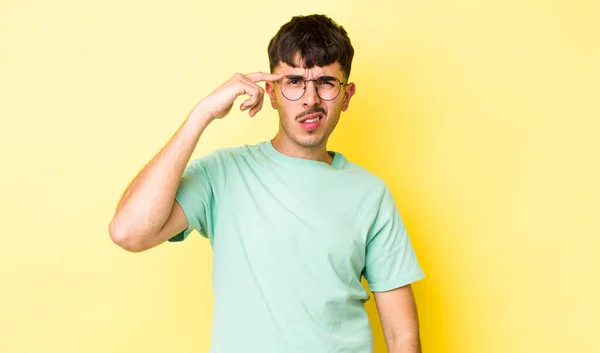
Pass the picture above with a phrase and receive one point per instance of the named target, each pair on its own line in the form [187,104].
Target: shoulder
[361,176]
[226,156]
[242,152]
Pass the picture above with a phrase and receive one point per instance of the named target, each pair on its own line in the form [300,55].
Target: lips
[310,117]
[311,122]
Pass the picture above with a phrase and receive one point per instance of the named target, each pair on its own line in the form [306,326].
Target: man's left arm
[399,319]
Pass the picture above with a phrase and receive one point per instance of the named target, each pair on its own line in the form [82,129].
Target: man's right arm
[147,214]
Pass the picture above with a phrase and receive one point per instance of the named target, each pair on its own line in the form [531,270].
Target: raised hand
[219,103]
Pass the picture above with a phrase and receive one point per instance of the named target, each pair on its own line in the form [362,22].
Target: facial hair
[314,138]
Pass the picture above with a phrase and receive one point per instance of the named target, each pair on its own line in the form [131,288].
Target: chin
[310,142]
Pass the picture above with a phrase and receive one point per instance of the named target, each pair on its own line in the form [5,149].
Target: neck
[289,148]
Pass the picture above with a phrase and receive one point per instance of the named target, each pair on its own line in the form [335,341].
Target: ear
[350,90]
[270,89]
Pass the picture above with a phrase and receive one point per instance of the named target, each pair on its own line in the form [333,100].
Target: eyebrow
[300,77]
[295,77]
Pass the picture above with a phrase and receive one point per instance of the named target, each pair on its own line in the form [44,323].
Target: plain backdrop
[482,117]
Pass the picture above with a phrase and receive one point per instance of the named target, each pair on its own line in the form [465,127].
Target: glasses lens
[328,88]
[292,88]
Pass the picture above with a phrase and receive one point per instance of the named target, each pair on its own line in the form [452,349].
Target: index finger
[263,76]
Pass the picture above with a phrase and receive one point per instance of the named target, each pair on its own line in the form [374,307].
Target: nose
[311,98]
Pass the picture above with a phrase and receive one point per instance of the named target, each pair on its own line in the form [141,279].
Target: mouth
[311,122]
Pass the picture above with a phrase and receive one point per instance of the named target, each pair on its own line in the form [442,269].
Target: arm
[147,213]
[399,319]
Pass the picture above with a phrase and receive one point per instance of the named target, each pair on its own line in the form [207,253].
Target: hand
[218,104]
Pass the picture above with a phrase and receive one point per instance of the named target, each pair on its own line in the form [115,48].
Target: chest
[307,222]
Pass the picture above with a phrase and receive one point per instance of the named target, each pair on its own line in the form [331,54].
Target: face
[308,122]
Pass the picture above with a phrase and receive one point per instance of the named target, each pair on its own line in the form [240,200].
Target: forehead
[314,72]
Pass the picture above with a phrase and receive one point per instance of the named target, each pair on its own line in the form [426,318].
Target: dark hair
[316,38]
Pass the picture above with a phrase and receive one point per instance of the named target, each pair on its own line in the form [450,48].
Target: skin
[399,319]
[291,139]
[397,308]
[148,215]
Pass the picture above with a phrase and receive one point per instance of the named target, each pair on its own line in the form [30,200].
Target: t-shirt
[291,240]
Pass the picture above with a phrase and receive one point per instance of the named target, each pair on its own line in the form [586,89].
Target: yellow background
[483,117]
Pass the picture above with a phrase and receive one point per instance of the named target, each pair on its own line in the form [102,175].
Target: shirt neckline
[301,163]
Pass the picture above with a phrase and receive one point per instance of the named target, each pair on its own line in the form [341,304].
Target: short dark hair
[316,38]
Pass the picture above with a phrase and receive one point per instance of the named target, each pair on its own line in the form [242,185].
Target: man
[293,226]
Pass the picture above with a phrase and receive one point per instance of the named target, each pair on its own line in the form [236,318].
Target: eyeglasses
[327,87]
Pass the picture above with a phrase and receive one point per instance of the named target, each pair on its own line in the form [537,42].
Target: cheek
[334,107]
[285,108]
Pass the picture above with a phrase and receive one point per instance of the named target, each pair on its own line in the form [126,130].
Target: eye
[293,82]
[326,83]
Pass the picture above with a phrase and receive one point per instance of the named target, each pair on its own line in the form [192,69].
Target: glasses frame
[342,83]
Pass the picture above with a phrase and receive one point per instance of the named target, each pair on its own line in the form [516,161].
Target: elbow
[124,238]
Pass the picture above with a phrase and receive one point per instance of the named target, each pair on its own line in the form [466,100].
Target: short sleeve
[195,196]
[390,260]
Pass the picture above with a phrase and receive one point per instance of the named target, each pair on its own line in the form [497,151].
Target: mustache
[311,111]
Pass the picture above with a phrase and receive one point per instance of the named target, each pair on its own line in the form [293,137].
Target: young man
[293,226]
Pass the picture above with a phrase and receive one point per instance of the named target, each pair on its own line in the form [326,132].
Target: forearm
[399,319]
[407,343]
[147,202]
[143,216]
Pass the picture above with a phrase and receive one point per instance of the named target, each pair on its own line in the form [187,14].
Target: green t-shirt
[291,239]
